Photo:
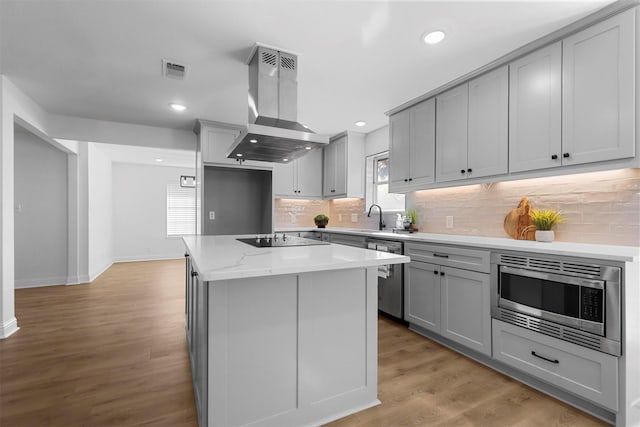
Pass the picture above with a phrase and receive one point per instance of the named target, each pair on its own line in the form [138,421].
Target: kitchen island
[281,336]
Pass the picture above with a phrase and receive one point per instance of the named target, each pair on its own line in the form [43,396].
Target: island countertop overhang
[225,258]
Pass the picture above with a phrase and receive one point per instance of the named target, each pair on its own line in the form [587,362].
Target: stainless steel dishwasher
[390,288]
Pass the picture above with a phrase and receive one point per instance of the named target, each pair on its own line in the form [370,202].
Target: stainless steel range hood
[273,133]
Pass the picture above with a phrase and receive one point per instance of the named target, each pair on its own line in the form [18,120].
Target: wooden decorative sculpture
[517,222]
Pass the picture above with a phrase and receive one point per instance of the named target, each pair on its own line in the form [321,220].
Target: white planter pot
[544,235]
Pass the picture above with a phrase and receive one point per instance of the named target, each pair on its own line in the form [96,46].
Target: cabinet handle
[406,180]
[533,353]
[194,273]
[442,273]
[554,157]
[469,170]
[462,171]
[441,256]
[410,179]
[435,271]
[565,155]
[186,255]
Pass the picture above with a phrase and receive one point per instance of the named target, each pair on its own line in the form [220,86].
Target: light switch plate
[212,215]
[449,221]
[354,217]
[339,217]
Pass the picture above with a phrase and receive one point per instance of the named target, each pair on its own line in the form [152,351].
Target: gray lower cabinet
[580,370]
[197,338]
[422,295]
[345,239]
[449,301]
[465,308]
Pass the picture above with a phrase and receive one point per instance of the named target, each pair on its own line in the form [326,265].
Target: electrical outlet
[354,217]
[212,215]
[449,221]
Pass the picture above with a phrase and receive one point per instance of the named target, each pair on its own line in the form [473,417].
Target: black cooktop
[280,241]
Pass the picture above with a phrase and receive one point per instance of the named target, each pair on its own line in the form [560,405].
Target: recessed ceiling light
[253,141]
[361,123]
[433,37]
[159,160]
[177,107]
[239,155]
[307,148]
[285,160]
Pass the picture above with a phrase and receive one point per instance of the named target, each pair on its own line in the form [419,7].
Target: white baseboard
[38,283]
[95,276]
[8,328]
[147,258]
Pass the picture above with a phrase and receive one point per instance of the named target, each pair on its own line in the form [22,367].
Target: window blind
[181,210]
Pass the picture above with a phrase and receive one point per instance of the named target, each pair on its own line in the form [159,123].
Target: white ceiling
[101,59]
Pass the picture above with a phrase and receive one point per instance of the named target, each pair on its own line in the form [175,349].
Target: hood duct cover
[273,133]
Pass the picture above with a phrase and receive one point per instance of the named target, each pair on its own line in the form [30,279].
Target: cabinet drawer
[467,259]
[345,239]
[585,372]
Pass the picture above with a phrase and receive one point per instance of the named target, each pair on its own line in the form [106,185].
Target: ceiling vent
[173,70]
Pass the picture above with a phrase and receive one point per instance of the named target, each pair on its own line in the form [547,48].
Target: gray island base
[281,336]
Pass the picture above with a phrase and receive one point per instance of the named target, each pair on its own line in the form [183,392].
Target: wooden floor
[113,353]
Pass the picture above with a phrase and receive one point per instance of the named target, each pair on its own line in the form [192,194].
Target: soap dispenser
[399,222]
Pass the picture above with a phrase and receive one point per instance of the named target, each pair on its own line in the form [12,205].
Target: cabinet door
[535,107]
[488,131]
[215,143]
[284,180]
[451,134]
[423,143]
[400,150]
[598,92]
[329,170]
[340,180]
[200,354]
[422,295]
[466,316]
[309,174]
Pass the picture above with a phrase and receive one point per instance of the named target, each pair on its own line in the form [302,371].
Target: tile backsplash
[600,207]
[348,213]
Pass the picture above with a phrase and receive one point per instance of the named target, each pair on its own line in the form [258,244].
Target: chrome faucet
[380,223]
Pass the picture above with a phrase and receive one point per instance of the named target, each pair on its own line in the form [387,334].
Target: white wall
[14,105]
[100,212]
[41,212]
[139,212]
[377,141]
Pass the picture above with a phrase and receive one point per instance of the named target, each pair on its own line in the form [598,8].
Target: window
[181,210]
[377,186]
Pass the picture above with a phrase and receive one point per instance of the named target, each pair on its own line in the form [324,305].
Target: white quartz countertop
[223,257]
[583,250]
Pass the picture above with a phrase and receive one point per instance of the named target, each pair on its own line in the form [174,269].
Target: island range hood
[273,133]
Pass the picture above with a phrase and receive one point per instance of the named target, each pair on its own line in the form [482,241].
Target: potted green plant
[411,217]
[543,221]
[321,220]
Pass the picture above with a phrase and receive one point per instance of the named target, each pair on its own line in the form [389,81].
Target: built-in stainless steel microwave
[574,301]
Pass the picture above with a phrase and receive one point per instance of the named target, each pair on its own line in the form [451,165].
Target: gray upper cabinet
[412,147]
[301,178]
[535,107]
[598,91]
[451,134]
[488,146]
[472,128]
[343,159]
